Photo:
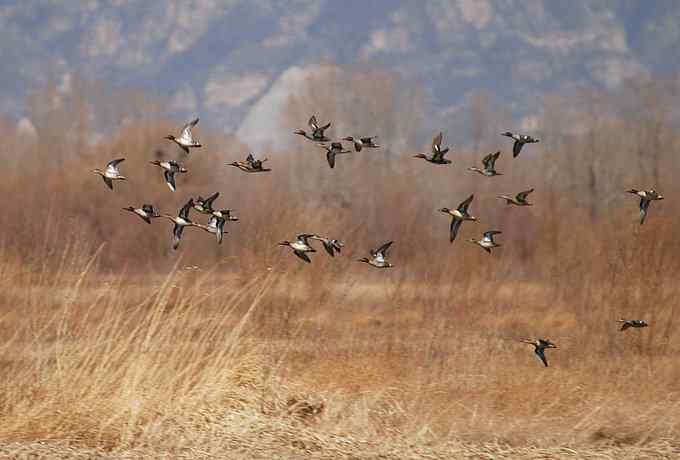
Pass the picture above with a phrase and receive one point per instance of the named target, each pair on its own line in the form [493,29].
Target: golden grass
[110,347]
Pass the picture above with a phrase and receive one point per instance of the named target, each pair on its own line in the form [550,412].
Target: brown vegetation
[108,342]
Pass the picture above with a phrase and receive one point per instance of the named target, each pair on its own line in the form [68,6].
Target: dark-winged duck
[487,242]
[635,323]
[170,168]
[520,140]
[377,259]
[518,200]
[186,139]
[300,246]
[250,165]
[437,154]
[111,172]
[316,132]
[540,346]
[181,221]
[458,216]
[330,245]
[646,197]
[489,163]
[146,212]
[362,142]
[335,148]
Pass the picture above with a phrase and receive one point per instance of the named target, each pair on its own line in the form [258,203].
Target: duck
[646,197]
[540,346]
[377,259]
[300,246]
[111,172]
[330,245]
[146,212]
[458,216]
[250,165]
[437,156]
[489,163]
[487,242]
[362,142]
[332,150]
[204,205]
[170,168]
[186,140]
[216,226]
[317,132]
[518,200]
[520,140]
[636,323]
[225,214]
[181,221]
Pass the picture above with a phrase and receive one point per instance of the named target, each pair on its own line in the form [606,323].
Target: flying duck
[458,216]
[204,205]
[487,241]
[377,259]
[300,246]
[539,348]
[489,163]
[111,172]
[646,197]
[146,212]
[334,149]
[316,132]
[520,140]
[331,246]
[518,200]
[437,156]
[186,140]
[250,165]
[181,220]
[216,226]
[361,142]
[626,323]
[225,214]
[170,168]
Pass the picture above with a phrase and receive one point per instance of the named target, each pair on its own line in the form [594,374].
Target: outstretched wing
[108,182]
[186,129]
[517,148]
[250,159]
[302,256]
[540,352]
[522,196]
[437,143]
[209,201]
[463,207]
[489,234]
[453,231]
[114,163]
[312,123]
[330,157]
[184,212]
[644,205]
[382,250]
[170,179]
[489,161]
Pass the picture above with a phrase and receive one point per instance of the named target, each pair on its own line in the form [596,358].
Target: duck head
[364,260]
[348,139]
[444,210]
[284,243]
[420,155]
[301,132]
[170,137]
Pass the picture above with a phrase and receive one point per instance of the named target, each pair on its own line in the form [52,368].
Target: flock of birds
[301,246]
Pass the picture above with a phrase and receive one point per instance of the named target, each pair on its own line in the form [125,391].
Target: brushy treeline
[101,316]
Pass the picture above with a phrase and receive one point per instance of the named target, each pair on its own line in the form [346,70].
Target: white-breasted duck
[250,165]
[377,259]
[489,163]
[518,200]
[458,216]
[335,148]
[170,168]
[330,245]
[186,139]
[646,197]
[487,242]
[437,154]
[300,246]
[204,205]
[146,212]
[316,132]
[362,142]
[520,140]
[181,221]
[540,345]
[111,172]
[635,323]
[215,226]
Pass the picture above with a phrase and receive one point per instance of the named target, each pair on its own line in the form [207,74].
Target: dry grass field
[113,346]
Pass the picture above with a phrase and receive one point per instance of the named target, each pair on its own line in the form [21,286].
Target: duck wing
[186,130]
[382,250]
[330,157]
[170,179]
[177,232]
[517,148]
[184,212]
[644,205]
[453,230]
[108,182]
[437,143]
[522,196]
[540,352]
[303,256]
[489,161]
[115,163]
[488,236]
[312,123]
[209,201]
[463,207]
